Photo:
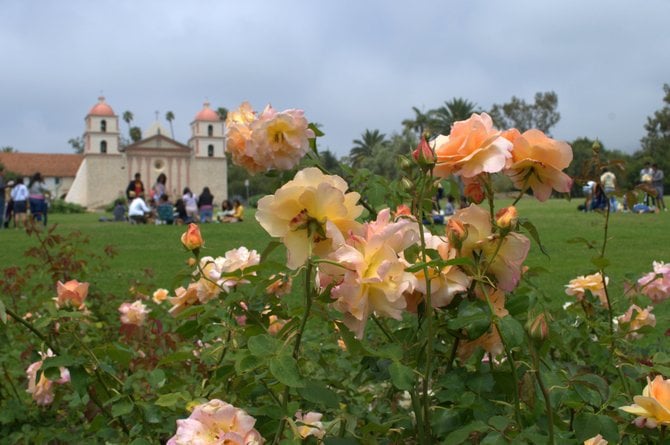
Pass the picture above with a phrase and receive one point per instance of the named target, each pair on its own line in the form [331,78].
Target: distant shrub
[60,206]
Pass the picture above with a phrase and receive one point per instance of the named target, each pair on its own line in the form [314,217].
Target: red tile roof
[48,164]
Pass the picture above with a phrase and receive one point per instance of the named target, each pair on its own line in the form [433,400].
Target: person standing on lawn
[657,178]
[608,182]
[20,198]
[136,186]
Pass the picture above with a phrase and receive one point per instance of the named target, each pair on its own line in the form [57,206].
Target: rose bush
[378,327]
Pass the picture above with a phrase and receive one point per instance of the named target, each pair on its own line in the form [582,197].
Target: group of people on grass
[17,199]
[647,197]
[161,210]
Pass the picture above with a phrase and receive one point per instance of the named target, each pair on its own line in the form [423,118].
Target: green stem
[309,296]
[452,356]
[543,388]
[512,363]
[32,329]
[11,382]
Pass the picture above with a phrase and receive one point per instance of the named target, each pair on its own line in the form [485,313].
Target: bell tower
[101,135]
[207,134]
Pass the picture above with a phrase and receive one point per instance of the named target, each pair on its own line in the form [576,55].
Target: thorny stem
[452,355]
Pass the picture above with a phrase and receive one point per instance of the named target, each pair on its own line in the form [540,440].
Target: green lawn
[153,255]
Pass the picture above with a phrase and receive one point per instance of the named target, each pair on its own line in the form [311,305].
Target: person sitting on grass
[119,211]
[165,211]
[138,211]
[182,215]
[238,213]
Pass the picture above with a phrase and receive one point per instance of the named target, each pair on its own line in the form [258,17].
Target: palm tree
[128,118]
[169,116]
[456,109]
[365,147]
[421,123]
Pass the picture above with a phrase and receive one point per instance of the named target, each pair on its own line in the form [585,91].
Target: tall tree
[135,134]
[128,118]
[523,116]
[169,116]
[456,109]
[656,143]
[420,124]
[222,112]
[364,148]
[8,149]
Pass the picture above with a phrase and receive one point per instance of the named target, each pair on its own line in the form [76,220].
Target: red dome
[207,114]
[101,108]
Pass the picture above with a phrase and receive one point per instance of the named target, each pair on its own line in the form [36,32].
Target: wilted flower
[42,391]
[592,283]
[276,324]
[281,285]
[653,406]
[471,233]
[216,422]
[273,140]
[71,293]
[133,313]
[191,239]
[184,297]
[160,296]
[490,341]
[642,318]
[656,284]
[309,213]
[597,440]
[310,424]
[372,277]
[472,147]
[536,163]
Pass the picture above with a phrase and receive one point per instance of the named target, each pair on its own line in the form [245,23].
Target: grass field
[153,254]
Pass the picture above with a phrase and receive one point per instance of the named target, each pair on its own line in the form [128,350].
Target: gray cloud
[351,65]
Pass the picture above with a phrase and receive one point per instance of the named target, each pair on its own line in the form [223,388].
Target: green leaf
[402,376]
[532,231]
[246,362]
[122,407]
[587,425]
[317,392]
[473,319]
[285,369]
[461,435]
[600,262]
[178,356]
[79,378]
[263,345]
[170,400]
[512,331]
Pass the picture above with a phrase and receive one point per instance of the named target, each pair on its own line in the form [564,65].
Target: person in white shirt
[20,199]
[138,211]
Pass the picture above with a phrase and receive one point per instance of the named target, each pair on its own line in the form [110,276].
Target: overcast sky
[350,64]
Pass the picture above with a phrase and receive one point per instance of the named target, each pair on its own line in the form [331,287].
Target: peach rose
[71,293]
[656,284]
[281,285]
[653,406]
[423,154]
[537,161]
[507,217]
[191,239]
[160,296]
[642,318]
[276,324]
[309,214]
[273,140]
[473,189]
[184,298]
[133,313]
[42,391]
[597,440]
[474,146]
[309,424]
[593,283]
[216,422]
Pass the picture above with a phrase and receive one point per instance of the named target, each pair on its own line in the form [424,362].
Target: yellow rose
[309,213]
[654,403]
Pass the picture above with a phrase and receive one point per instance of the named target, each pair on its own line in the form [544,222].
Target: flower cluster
[475,147]
[214,275]
[216,422]
[272,140]
[42,390]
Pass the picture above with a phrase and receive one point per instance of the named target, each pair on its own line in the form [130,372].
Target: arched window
[210,130]
[210,150]
[103,146]
[103,126]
